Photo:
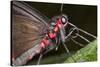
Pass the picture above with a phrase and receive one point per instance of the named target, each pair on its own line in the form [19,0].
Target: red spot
[42,45]
[46,42]
[52,35]
[56,29]
[59,25]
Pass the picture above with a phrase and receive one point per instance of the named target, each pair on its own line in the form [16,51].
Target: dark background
[83,16]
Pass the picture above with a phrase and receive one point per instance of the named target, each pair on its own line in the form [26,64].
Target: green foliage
[88,53]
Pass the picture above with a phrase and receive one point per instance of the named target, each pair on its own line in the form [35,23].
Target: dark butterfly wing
[28,28]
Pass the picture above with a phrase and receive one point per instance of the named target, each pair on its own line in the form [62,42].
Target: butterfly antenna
[61,8]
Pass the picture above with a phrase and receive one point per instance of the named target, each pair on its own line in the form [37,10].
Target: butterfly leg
[77,42]
[40,57]
[67,50]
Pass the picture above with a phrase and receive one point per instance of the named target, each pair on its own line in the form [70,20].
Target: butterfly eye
[64,19]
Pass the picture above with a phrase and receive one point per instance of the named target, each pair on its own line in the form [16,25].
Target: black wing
[28,28]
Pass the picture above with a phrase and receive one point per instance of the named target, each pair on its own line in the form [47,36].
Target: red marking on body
[42,45]
[52,35]
[45,41]
[56,29]
[59,23]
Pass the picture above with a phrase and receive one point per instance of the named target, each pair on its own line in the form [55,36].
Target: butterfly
[33,33]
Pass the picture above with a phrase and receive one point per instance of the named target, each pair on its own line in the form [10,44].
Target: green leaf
[88,53]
